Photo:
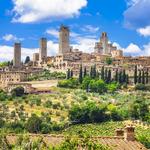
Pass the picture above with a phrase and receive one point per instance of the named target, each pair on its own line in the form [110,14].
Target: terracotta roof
[115,142]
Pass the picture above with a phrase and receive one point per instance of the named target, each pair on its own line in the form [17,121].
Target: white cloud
[53,32]
[90,28]
[132,49]
[10,37]
[137,14]
[85,44]
[144,31]
[29,11]
[6,52]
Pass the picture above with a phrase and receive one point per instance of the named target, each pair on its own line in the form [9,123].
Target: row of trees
[141,76]
[105,75]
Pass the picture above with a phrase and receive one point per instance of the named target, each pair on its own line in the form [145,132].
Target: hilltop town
[75,98]
[105,54]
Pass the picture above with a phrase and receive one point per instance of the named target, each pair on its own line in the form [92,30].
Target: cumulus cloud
[144,31]
[90,29]
[137,14]
[10,37]
[134,50]
[53,32]
[29,11]
[6,52]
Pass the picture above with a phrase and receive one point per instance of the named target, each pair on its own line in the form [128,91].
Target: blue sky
[127,23]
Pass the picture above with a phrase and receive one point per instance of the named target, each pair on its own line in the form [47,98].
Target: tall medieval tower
[64,44]
[104,41]
[43,49]
[17,55]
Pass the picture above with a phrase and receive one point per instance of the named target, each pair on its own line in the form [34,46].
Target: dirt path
[43,84]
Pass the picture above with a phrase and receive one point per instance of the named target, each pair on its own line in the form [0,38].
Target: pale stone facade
[12,77]
[35,57]
[103,47]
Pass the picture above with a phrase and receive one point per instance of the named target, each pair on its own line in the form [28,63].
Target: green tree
[147,80]
[85,72]
[139,77]
[27,60]
[127,79]
[94,72]
[106,75]
[80,75]
[68,74]
[109,76]
[120,77]
[33,124]
[103,73]
[124,76]
[143,77]
[71,74]
[116,76]
[109,61]
[139,108]
[135,75]
[18,91]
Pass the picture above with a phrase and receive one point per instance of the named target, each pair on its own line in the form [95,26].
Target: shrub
[69,83]
[33,124]
[18,92]
[141,87]
[48,104]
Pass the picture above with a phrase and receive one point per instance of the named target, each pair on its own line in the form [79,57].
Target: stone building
[103,47]
[35,57]
[64,44]
[43,49]
[17,55]
[7,77]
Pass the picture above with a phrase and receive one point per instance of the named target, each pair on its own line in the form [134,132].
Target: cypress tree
[71,74]
[116,76]
[97,74]
[109,76]
[68,74]
[103,73]
[120,77]
[27,60]
[127,79]
[80,75]
[147,80]
[91,72]
[124,76]
[94,71]
[143,77]
[139,77]
[85,72]
[106,75]
[135,75]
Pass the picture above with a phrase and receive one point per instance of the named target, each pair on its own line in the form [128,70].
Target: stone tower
[43,49]
[64,44]
[17,55]
[104,41]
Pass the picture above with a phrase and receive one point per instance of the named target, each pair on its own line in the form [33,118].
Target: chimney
[119,132]
[129,134]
